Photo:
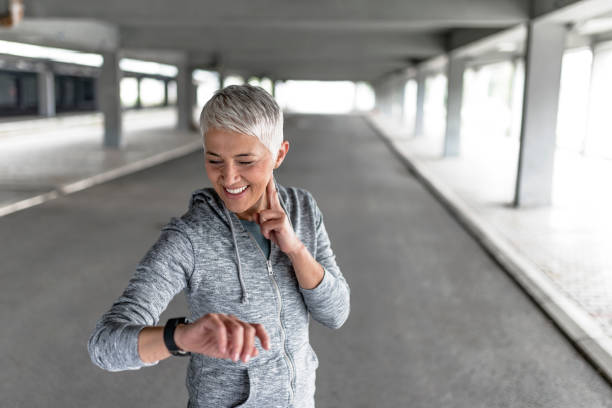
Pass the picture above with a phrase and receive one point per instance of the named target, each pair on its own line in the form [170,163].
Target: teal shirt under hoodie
[208,254]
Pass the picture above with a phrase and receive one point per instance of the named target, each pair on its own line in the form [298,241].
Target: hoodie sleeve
[329,301]
[160,275]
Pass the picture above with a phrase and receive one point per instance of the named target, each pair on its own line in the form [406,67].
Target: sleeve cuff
[319,291]
[132,332]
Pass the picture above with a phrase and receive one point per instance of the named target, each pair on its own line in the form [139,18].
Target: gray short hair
[245,109]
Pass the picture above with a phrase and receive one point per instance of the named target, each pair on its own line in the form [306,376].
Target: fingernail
[247,358]
[236,356]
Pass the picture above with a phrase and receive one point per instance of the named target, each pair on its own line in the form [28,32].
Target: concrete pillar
[138,100]
[397,102]
[380,91]
[452,138]
[193,91]
[516,98]
[46,92]
[166,82]
[389,97]
[184,91]
[109,98]
[386,97]
[221,78]
[544,54]
[420,103]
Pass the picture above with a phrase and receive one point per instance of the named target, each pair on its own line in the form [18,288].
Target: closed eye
[241,162]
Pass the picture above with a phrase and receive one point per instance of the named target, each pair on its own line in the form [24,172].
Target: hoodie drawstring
[245,294]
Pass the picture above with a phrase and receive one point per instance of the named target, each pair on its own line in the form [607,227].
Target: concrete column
[389,97]
[138,100]
[193,91]
[109,98]
[512,98]
[397,101]
[386,97]
[452,139]
[380,90]
[420,103]
[166,82]
[184,90]
[221,78]
[46,92]
[545,46]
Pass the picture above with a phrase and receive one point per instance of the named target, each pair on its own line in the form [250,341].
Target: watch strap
[169,330]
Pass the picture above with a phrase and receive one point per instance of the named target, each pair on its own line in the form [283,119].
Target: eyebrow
[238,155]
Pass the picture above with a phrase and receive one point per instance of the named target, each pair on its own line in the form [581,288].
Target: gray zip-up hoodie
[210,255]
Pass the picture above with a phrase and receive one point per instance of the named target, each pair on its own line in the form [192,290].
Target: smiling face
[239,167]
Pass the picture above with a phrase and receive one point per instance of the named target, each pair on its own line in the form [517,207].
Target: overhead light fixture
[50,53]
[147,67]
[594,26]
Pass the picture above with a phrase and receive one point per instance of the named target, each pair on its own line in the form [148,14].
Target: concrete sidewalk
[560,254]
[44,158]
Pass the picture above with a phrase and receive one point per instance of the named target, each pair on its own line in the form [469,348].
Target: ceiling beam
[200,13]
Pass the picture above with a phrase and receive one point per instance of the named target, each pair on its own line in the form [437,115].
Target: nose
[230,173]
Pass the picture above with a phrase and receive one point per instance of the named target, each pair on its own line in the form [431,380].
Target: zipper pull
[269,263]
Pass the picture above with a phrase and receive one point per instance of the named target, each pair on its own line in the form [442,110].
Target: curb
[583,331]
[129,168]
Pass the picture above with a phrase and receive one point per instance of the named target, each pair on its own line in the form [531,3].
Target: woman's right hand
[221,336]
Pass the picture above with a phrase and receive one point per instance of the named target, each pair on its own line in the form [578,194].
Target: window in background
[8,91]
[207,82]
[574,99]
[172,92]
[151,92]
[233,80]
[487,109]
[266,83]
[365,98]
[434,107]
[74,93]
[129,92]
[409,109]
[316,96]
[518,87]
[29,92]
[599,124]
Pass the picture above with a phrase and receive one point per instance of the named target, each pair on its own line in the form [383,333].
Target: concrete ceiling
[316,39]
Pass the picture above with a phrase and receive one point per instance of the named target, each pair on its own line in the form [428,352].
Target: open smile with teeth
[236,190]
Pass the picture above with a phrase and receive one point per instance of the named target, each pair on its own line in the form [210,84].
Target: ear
[282,153]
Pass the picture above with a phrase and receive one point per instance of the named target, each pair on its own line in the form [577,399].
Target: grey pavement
[560,252]
[47,157]
[434,320]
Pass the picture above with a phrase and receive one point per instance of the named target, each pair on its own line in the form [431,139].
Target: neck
[249,215]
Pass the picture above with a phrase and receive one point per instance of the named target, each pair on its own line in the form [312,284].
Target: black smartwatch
[169,328]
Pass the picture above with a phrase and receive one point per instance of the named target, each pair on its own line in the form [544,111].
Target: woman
[254,260]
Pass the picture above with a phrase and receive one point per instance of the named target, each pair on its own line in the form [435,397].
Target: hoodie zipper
[280,303]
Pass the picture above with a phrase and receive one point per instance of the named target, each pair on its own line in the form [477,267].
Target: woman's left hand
[274,223]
